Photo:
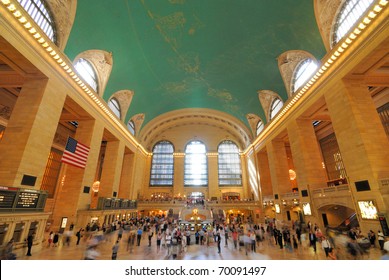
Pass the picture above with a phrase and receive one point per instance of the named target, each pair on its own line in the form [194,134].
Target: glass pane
[162,165]
[38,12]
[230,170]
[349,14]
[85,69]
[196,169]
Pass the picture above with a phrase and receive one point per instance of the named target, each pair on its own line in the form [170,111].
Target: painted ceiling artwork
[214,54]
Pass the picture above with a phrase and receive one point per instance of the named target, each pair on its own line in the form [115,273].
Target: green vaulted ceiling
[177,54]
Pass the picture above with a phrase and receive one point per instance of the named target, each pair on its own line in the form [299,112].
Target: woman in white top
[381,239]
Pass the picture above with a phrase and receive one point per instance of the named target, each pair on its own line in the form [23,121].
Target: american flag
[75,153]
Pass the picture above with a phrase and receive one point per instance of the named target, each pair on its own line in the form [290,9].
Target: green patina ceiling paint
[178,54]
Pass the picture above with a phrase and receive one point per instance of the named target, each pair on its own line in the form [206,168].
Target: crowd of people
[244,236]
[172,239]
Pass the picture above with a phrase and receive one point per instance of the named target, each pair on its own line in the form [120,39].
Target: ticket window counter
[18,232]
[3,231]
[32,229]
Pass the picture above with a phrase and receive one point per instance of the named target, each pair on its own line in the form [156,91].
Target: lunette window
[260,127]
[85,69]
[115,107]
[131,127]
[303,72]
[40,14]
[350,12]
[275,107]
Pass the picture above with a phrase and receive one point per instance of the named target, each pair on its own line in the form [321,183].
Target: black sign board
[108,203]
[384,225]
[7,199]
[27,200]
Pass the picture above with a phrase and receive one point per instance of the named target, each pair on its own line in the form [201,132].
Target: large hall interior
[194,113]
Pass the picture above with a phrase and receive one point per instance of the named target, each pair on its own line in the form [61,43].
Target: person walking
[150,235]
[30,240]
[218,241]
[139,235]
[115,249]
[159,238]
[78,235]
[326,245]
[381,239]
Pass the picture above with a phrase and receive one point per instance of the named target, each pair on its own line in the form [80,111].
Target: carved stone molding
[102,62]
[5,112]
[266,98]
[138,121]
[253,120]
[325,12]
[124,97]
[64,12]
[214,120]
[287,63]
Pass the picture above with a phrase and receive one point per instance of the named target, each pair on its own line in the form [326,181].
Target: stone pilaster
[306,155]
[278,164]
[213,176]
[70,197]
[26,143]
[178,183]
[127,174]
[112,168]
[264,174]
[362,142]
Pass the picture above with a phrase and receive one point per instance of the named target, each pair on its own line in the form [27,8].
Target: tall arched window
[260,127]
[38,11]
[230,170]
[275,107]
[131,127]
[162,164]
[196,169]
[115,107]
[350,12]
[303,72]
[85,69]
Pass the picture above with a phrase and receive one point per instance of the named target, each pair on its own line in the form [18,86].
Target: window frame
[87,72]
[115,109]
[203,166]
[42,16]
[303,72]
[131,127]
[229,160]
[275,106]
[159,159]
[346,16]
[260,127]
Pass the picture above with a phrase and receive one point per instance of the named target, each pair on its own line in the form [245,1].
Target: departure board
[27,200]
[7,198]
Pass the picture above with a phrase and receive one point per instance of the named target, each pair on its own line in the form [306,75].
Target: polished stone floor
[265,251]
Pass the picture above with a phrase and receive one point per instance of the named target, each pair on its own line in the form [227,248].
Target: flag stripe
[75,153]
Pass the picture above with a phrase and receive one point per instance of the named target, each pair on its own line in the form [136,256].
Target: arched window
[162,165]
[275,107]
[196,170]
[260,127]
[303,72]
[350,12]
[85,69]
[115,107]
[230,171]
[131,127]
[38,11]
